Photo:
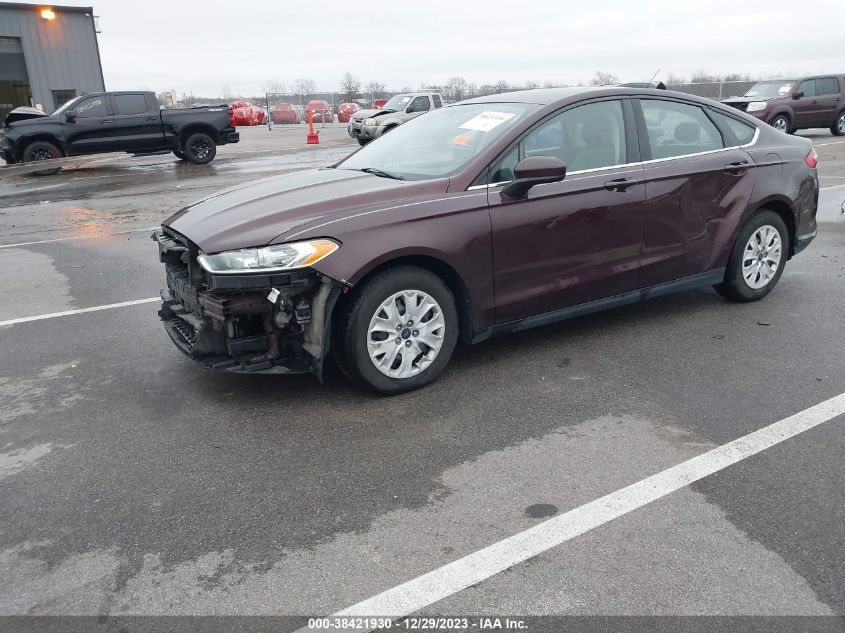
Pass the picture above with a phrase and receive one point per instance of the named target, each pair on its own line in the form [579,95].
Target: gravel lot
[134,483]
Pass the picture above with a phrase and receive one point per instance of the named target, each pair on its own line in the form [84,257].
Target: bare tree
[673,79]
[375,89]
[407,88]
[456,88]
[502,86]
[603,79]
[273,86]
[701,76]
[226,90]
[305,86]
[350,87]
[531,84]
[550,84]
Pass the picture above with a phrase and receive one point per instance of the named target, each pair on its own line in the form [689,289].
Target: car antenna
[653,76]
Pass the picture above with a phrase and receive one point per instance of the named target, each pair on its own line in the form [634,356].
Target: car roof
[548,96]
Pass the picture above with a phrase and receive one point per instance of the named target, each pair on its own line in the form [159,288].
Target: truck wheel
[757,260]
[199,149]
[40,150]
[398,331]
[838,127]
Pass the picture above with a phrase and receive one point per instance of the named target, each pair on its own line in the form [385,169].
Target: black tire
[178,154]
[40,150]
[351,334]
[734,286]
[199,149]
[362,141]
[838,127]
[782,122]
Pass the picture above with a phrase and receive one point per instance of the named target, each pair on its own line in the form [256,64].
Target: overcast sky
[198,47]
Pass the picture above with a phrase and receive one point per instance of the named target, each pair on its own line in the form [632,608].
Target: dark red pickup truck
[129,122]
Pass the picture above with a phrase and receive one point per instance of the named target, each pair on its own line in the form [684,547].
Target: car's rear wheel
[782,124]
[398,331]
[199,149]
[757,259]
[838,127]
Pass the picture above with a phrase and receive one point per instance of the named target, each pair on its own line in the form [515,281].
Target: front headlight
[268,259]
[756,106]
[371,122]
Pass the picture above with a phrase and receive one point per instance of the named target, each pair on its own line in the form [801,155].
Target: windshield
[397,103]
[440,143]
[67,105]
[770,88]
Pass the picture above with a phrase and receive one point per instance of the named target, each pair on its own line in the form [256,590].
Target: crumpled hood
[23,113]
[732,100]
[255,213]
[368,114]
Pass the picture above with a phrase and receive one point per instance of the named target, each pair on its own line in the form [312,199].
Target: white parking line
[831,143]
[77,237]
[53,315]
[445,581]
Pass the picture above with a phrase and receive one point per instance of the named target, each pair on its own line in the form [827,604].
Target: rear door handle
[737,168]
[106,122]
[619,184]
[152,118]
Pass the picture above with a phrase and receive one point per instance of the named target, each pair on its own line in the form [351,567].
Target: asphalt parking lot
[134,483]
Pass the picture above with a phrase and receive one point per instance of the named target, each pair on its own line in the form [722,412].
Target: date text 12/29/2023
[417,624]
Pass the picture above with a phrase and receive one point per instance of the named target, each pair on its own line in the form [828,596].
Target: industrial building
[48,55]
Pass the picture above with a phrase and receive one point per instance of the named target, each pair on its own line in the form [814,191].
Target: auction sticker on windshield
[487,120]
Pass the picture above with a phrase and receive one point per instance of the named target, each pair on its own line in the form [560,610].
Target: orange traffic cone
[313,138]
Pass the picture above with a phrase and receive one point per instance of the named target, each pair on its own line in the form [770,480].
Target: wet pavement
[133,482]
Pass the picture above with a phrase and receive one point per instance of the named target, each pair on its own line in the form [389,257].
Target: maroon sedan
[490,216]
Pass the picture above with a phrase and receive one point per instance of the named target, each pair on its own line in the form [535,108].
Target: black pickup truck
[116,122]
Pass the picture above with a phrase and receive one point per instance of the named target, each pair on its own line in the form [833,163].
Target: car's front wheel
[362,141]
[838,127]
[398,331]
[782,124]
[757,259]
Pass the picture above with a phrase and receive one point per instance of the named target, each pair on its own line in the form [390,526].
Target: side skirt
[715,276]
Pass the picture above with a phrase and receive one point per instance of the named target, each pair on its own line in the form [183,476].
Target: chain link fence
[335,108]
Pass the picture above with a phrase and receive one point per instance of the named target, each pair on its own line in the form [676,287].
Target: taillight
[812,159]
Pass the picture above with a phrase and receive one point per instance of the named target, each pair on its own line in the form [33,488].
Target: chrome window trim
[753,141]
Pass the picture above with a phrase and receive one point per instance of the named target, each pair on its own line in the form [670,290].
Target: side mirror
[70,116]
[798,94]
[534,170]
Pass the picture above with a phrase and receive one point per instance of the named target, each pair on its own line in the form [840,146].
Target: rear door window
[437,102]
[827,86]
[130,104]
[678,129]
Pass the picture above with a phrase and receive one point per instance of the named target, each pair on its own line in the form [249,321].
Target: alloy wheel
[405,334]
[761,257]
[840,124]
[43,153]
[200,149]
[780,124]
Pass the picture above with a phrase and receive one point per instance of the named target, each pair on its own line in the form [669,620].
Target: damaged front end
[258,322]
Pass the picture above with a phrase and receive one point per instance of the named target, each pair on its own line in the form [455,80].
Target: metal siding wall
[60,54]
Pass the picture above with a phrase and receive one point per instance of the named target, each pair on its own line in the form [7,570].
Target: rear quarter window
[744,132]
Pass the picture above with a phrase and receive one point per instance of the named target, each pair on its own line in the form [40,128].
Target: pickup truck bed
[116,122]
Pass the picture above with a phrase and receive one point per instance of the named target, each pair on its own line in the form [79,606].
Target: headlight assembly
[756,106]
[269,258]
[371,122]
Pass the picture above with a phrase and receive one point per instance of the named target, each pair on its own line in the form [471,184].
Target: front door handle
[151,118]
[106,122]
[737,168]
[619,184]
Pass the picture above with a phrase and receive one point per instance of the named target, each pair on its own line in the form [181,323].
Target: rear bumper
[227,136]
